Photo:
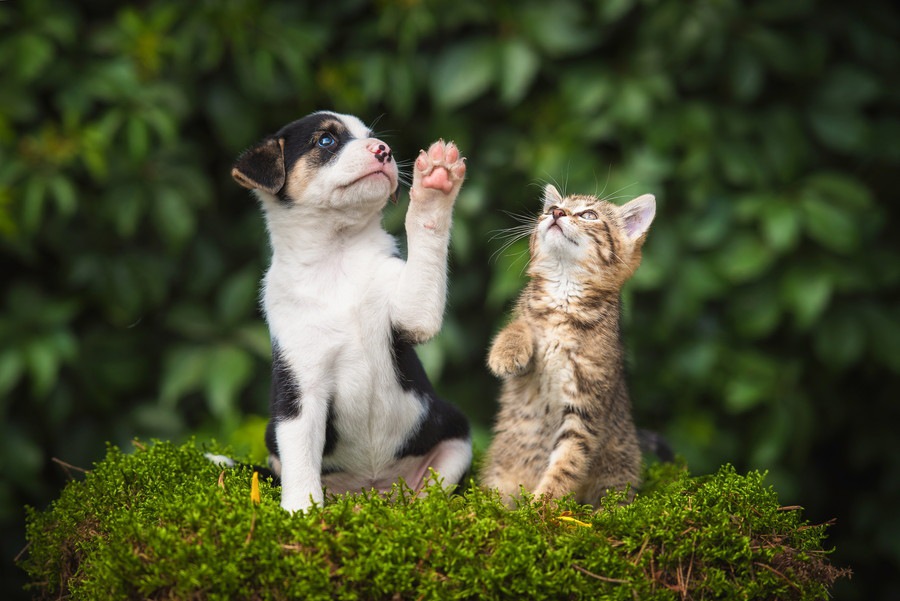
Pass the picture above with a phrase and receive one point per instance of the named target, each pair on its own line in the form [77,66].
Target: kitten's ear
[551,196]
[261,167]
[637,215]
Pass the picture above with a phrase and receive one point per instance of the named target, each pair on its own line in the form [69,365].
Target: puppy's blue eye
[326,141]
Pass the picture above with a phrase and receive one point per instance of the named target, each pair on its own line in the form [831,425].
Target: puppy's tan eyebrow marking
[333,127]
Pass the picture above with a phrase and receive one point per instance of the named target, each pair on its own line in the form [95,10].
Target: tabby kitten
[564,423]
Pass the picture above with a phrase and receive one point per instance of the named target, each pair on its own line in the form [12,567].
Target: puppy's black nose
[381,151]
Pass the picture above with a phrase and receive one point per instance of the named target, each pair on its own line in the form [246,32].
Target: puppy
[351,406]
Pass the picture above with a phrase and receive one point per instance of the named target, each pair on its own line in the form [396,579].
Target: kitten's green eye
[589,215]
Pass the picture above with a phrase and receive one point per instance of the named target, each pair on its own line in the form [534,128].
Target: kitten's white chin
[556,241]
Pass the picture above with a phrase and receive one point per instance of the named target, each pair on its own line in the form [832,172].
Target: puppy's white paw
[300,501]
[438,173]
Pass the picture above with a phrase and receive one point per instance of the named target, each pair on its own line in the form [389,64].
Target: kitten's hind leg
[508,484]
[570,459]
[512,350]
[617,466]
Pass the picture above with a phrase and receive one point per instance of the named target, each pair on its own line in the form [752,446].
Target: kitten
[564,423]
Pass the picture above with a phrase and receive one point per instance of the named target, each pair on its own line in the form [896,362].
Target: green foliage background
[763,326]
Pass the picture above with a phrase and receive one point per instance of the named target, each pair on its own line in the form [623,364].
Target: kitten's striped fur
[564,423]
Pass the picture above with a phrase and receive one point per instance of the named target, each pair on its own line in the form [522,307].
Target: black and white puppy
[351,407]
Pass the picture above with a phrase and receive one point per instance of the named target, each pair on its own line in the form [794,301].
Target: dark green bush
[164,523]
[763,327]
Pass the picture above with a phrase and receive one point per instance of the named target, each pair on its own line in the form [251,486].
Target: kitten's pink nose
[557,213]
[381,151]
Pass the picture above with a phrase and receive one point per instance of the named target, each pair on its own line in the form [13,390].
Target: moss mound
[163,523]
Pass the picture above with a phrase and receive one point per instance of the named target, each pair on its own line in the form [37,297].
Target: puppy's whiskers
[404,172]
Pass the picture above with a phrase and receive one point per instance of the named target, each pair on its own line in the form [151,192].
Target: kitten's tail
[653,443]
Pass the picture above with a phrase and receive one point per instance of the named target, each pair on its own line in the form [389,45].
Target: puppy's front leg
[418,302]
[301,442]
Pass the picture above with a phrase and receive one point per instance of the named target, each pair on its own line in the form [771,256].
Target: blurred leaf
[229,370]
[24,456]
[806,293]
[840,339]
[64,193]
[756,311]
[743,258]
[33,203]
[611,10]
[183,372]
[779,428]
[781,223]
[43,364]
[841,190]
[884,332]
[746,76]
[238,295]
[462,240]
[697,359]
[401,93]
[712,226]
[173,216]
[839,129]
[129,210]
[11,370]
[631,103]
[848,86]
[157,420]
[431,354]
[191,320]
[249,439]
[519,66]
[255,337]
[138,138]
[701,279]
[828,224]
[557,28]
[753,382]
[740,163]
[462,73]
[32,55]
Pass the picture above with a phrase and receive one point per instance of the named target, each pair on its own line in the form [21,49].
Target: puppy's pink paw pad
[440,167]
[438,179]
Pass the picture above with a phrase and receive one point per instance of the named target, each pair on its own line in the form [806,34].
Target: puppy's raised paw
[438,174]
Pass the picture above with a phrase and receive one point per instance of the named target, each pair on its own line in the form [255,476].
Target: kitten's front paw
[509,356]
[438,174]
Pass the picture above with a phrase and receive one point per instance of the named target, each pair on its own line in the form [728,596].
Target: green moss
[163,523]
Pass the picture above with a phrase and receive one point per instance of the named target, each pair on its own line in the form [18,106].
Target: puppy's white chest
[319,307]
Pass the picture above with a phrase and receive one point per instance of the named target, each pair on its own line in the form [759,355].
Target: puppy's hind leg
[450,459]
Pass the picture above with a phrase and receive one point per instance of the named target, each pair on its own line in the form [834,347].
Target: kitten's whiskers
[509,236]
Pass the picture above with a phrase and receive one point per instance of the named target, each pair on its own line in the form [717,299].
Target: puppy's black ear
[261,167]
